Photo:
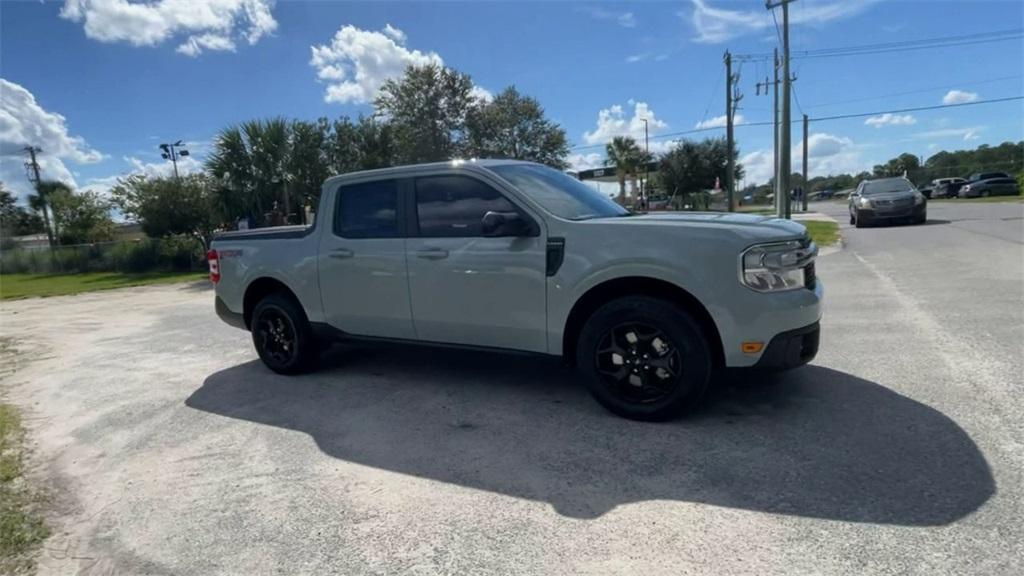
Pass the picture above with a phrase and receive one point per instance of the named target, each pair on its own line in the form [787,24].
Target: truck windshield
[559,193]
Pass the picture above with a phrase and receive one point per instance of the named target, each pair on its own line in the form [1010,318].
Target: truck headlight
[864,202]
[918,198]
[776,267]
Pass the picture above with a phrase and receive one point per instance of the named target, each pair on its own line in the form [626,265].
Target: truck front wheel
[282,335]
[644,358]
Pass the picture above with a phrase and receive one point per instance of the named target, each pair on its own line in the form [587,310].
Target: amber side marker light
[752,347]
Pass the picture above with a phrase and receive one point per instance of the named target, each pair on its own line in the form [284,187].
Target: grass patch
[25,285]
[986,200]
[22,529]
[823,233]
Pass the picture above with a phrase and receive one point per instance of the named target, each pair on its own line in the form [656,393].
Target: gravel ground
[899,450]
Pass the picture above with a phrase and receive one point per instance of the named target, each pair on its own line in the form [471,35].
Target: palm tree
[250,162]
[40,203]
[625,155]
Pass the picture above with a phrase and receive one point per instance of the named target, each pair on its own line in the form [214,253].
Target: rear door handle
[341,253]
[432,253]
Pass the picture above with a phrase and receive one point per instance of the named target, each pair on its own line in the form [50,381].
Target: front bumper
[791,348]
[875,215]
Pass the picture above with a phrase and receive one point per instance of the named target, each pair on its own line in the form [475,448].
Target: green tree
[514,126]
[624,154]
[79,218]
[366,144]
[249,164]
[17,220]
[691,168]
[306,167]
[903,164]
[427,109]
[169,206]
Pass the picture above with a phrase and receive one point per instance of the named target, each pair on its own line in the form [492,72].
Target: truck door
[364,282]
[468,286]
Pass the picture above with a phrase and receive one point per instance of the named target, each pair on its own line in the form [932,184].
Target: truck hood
[760,225]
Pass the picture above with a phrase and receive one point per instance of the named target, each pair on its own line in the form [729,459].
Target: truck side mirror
[504,224]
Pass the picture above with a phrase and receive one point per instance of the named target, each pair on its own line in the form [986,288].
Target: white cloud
[829,154]
[959,97]
[204,24]
[718,122]
[612,122]
[888,119]
[24,122]
[195,45]
[966,134]
[758,166]
[162,169]
[821,145]
[624,19]
[714,25]
[826,154]
[579,162]
[481,94]
[357,62]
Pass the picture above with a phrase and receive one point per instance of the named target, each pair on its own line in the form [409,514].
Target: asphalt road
[900,450]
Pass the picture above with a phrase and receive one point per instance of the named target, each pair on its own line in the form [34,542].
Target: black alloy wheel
[282,335]
[639,363]
[275,336]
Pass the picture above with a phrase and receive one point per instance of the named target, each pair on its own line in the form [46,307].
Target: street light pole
[169,153]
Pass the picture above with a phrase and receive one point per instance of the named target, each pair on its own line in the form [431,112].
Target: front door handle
[432,253]
[341,253]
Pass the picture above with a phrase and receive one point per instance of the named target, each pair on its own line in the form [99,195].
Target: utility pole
[774,83]
[732,98]
[36,180]
[785,167]
[647,163]
[779,211]
[805,189]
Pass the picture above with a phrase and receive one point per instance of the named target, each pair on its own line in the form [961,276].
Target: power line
[906,45]
[822,119]
[918,109]
[918,91]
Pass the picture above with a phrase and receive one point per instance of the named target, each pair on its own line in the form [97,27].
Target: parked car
[989,184]
[510,255]
[887,200]
[926,189]
[947,187]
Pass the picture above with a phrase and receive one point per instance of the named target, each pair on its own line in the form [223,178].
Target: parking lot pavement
[899,450]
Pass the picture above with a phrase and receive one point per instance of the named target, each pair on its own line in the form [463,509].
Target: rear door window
[368,210]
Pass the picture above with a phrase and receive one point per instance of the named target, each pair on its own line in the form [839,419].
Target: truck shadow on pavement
[814,442]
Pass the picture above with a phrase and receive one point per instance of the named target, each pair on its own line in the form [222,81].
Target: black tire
[852,219]
[659,376]
[282,335]
[858,221]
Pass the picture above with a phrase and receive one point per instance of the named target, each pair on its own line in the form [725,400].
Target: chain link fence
[176,254]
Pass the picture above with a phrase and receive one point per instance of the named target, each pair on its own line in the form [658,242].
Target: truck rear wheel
[282,335]
[644,358]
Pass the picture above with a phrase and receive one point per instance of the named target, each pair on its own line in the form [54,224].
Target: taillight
[214,261]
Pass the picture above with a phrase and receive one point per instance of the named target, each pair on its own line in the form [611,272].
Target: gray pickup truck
[510,255]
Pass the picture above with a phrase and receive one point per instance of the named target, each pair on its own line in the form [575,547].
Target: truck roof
[397,170]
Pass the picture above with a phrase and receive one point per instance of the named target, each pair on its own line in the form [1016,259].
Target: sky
[99,84]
